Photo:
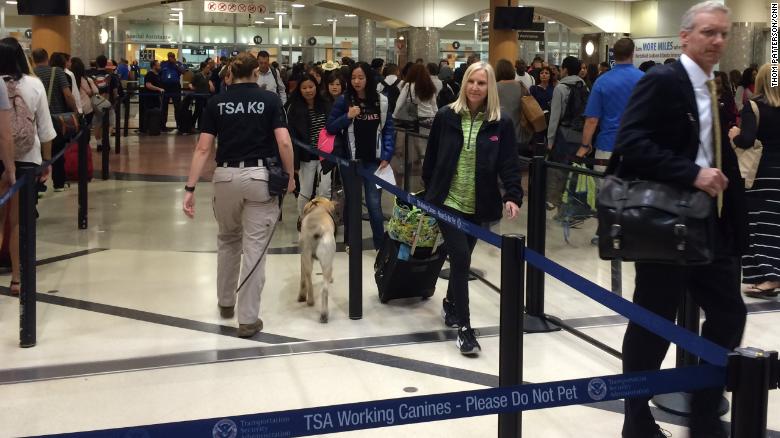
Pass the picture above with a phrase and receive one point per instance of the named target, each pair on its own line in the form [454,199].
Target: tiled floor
[129,333]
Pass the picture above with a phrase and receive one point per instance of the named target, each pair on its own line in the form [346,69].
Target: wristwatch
[190,189]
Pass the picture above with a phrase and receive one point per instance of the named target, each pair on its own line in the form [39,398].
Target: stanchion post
[83,146]
[127,114]
[407,170]
[106,141]
[27,297]
[535,321]
[355,241]
[749,380]
[118,127]
[510,353]
[616,268]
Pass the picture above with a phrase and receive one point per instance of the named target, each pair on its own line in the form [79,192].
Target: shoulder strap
[397,80]
[276,78]
[385,84]
[754,107]
[51,84]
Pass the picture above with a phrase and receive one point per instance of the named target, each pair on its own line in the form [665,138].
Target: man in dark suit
[670,134]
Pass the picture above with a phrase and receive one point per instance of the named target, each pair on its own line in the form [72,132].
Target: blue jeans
[373,203]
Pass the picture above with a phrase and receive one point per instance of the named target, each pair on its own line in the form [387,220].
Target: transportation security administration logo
[225,429]
[597,389]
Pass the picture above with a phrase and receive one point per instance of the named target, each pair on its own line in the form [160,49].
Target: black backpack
[574,115]
[447,95]
[391,91]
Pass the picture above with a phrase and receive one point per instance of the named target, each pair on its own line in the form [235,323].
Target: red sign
[251,8]
[241,7]
[232,7]
[222,7]
[211,6]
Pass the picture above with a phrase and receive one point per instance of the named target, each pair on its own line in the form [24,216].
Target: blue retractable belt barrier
[12,191]
[427,408]
[705,349]
[454,220]
[688,340]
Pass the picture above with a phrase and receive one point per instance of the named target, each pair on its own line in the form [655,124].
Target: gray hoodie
[557,107]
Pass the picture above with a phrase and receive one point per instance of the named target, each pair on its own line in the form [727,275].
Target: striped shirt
[317,122]
[463,189]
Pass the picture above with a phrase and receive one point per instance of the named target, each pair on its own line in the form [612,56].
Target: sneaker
[449,314]
[226,312]
[467,342]
[249,330]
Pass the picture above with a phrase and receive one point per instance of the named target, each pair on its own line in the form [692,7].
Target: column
[85,38]
[366,39]
[422,43]
[51,33]
[503,43]
[748,37]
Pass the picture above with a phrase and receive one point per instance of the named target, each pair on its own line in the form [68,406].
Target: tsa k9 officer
[252,130]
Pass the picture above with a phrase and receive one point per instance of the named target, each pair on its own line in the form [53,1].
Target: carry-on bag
[400,273]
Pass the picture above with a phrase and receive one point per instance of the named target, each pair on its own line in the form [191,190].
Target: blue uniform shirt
[608,100]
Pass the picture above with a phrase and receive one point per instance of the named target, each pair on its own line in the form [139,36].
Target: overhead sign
[28,33]
[234,7]
[456,45]
[526,35]
[146,55]
[656,49]
[258,39]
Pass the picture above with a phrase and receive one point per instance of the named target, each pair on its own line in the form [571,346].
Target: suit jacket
[659,139]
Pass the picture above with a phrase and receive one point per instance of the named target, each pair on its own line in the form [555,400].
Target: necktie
[716,134]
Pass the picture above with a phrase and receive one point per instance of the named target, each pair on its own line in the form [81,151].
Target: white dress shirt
[706,156]
[272,81]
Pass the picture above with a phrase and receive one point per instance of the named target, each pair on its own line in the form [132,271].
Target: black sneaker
[449,314]
[467,342]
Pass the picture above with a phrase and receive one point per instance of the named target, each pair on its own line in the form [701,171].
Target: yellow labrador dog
[317,240]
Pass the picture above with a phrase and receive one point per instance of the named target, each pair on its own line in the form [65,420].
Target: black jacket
[298,123]
[496,157]
[659,139]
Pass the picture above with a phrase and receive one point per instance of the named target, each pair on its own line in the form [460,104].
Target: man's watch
[190,189]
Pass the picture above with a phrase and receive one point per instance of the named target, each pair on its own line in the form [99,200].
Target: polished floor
[129,332]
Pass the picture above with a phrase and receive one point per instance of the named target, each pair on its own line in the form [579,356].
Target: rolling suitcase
[153,121]
[185,122]
[414,277]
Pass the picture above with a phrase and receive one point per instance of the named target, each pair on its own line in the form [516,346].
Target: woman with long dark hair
[307,111]
[361,118]
[746,88]
[418,91]
[32,152]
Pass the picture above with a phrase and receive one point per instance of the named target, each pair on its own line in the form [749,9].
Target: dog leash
[262,254]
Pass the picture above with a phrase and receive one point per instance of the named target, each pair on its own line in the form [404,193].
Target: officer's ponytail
[243,65]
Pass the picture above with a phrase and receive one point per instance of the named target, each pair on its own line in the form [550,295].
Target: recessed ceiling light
[173,19]
[259,22]
[317,24]
[298,5]
[176,14]
[350,15]
[460,24]
[331,20]
[177,9]
[281,13]
[111,18]
[11,2]
[269,18]
[551,22]
[477,20]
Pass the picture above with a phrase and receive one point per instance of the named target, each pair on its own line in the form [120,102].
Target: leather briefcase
[648,221]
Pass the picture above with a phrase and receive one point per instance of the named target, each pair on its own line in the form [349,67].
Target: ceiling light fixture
[11,2]
[551,22]
[173,19]
[269,18]
[460,24]
[298,5]
[174,14]
[281,13]
[331,20]
[317,24]
[111,18]
[259,22]
[350,15]
[476,20]
[177,9]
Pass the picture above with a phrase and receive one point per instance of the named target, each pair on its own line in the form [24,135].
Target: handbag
[532,114]
[99,103]
[325,142]
[649,221]
[749,158]
[66,125]
[408,116]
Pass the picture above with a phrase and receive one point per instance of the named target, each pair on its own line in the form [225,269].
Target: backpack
[446,96]
[391,91]
[169,72]
[574,115]
[23,121]
[102,82]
